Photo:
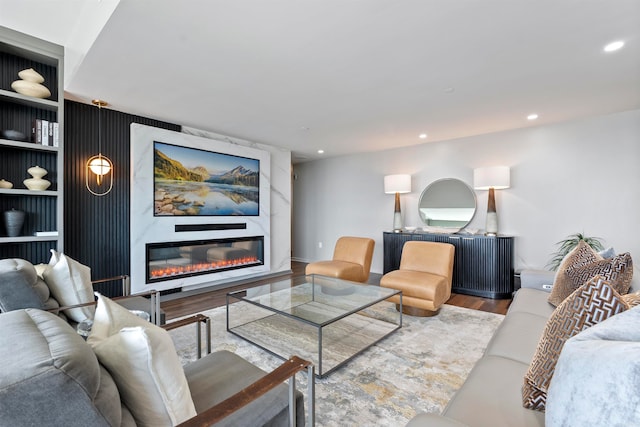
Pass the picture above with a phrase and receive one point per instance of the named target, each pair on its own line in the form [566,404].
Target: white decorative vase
[30,84]
[5,184]
[36,183]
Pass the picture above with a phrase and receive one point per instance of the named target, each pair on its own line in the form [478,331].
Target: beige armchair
[351,260]
[424,277]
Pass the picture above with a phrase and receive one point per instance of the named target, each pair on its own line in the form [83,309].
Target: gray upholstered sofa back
[51,376]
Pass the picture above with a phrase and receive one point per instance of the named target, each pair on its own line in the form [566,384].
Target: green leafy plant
[565,246]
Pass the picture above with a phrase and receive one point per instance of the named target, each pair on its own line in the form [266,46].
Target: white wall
[579,176]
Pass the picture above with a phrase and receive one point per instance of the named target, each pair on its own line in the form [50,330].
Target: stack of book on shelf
[45,132]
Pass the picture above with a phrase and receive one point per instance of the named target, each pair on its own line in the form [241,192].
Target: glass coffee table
[325,320]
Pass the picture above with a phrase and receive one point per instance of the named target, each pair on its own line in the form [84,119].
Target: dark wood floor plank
[207,300]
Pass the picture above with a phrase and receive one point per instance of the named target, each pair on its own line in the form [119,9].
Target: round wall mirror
[447,203]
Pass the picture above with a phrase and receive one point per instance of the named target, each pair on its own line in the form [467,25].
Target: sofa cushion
[232,374]
[490,396]
[517,337]
[144,364]
[70,284]
[18,283]
[590,304]
[617,270]
[598,365]
[563,286]
[531,301]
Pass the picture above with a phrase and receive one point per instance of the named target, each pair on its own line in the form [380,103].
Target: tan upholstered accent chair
[424,277]
[351,260]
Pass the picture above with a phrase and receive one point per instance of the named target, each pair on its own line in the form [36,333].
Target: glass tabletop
[314,299]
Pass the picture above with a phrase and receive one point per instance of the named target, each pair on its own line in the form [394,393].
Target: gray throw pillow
[596,379]
[17,281]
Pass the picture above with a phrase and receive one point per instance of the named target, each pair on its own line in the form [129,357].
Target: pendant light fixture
[99,165]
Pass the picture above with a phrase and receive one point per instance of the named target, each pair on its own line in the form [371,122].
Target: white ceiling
[345,76]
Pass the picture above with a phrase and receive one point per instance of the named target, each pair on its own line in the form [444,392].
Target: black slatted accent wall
[97,228]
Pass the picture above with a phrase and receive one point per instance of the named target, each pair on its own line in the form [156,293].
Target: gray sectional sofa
[51,376]
[491,395]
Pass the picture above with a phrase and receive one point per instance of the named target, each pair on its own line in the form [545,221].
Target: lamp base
[492,224]
[397,222]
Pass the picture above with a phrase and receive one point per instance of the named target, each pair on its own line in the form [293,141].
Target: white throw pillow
[70,284]
[143,362]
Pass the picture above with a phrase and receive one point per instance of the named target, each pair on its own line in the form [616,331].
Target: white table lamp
[492,178]
[397,184]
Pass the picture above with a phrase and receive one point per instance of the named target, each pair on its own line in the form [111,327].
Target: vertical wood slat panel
[97,228]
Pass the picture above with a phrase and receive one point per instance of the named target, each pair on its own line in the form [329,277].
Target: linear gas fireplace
[172,260]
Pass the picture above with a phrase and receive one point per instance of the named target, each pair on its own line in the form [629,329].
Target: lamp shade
[497,177]
[100,165]
[397,184]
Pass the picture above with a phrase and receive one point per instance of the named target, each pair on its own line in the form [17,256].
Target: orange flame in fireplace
[176,270]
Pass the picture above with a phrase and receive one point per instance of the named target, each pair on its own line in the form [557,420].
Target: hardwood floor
[196,303]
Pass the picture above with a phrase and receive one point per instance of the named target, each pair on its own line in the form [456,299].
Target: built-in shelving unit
[43,209]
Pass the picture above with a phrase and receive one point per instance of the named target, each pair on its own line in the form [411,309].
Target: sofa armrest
[433,420]
[198,319]
[287,370]
[537,279]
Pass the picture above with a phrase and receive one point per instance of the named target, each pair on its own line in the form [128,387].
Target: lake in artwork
[204,198]
[194,182]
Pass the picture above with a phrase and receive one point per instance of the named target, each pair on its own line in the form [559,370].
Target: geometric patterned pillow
[590,304]
[632,299]
[563,286]
[617,270]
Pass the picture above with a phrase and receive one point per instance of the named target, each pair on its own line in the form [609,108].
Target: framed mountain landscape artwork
[195,182]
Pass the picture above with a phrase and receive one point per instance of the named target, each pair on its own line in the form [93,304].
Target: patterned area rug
[416,369]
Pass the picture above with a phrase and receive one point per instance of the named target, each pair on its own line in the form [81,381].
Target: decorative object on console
[491,178]
[5,184]
[13,221]
[30,84]
[36,183]
[99,165]
[397,184]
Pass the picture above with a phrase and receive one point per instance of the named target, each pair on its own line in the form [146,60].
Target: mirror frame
[439,181]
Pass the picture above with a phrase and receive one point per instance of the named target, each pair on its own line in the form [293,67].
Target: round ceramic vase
[13,221]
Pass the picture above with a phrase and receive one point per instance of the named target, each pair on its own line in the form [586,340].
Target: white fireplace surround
[147,228]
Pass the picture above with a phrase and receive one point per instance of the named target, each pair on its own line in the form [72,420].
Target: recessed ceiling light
[449,90]
[532,116]
[422,136]
[320,151]
[612,47]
